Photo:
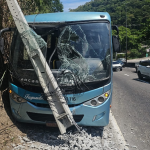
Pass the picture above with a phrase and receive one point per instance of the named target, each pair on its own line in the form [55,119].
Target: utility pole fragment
[55,98]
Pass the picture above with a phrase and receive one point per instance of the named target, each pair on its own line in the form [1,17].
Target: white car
[117,66]
[143,69]
[122,59]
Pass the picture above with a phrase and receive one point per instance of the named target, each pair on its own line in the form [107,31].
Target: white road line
[126,74]
[117,132]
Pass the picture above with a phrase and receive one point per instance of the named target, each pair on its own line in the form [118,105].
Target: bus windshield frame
[79,52]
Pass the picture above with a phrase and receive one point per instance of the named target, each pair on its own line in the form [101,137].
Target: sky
[72,4]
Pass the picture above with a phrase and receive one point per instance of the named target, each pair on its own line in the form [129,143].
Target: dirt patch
[8,131]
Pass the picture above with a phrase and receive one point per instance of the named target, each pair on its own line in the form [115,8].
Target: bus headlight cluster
[16,97]
[98,100]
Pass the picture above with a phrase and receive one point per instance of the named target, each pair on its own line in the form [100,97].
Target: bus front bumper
[84,115]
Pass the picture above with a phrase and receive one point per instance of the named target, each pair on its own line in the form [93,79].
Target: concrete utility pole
[55,98]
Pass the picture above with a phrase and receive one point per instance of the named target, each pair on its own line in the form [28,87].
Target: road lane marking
[126,74]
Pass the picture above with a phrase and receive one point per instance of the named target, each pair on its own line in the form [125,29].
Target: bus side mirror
[116,43]
[114,27]
[2,45]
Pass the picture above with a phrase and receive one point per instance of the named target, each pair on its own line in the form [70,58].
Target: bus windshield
[75,53]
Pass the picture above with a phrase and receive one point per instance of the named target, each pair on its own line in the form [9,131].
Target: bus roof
[66,17]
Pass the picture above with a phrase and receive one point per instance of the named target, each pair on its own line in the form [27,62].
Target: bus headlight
[98,100]
[101,99]
[94,102]
[16,97]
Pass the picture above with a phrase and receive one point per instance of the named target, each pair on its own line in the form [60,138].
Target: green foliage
[47,6]
[121,56]
[134,53]
[118,8]
[145,32]
[114,32]
[132,38]
[142,51]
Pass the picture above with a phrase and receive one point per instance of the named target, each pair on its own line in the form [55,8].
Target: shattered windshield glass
[76,54]
[84,51]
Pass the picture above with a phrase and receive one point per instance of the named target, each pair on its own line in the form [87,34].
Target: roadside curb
[137,59]
[117,133]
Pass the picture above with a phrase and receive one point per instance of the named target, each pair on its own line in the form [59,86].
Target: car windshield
[80,51]
[122,58]
[115,63]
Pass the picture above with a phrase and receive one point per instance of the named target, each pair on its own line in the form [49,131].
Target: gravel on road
[90,138]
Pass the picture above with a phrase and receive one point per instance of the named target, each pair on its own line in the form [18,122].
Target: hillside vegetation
[138,21]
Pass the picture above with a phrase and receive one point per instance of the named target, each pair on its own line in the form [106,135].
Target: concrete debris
[126,148]
[91,138]
[13,145]
[134,147]
[26,139]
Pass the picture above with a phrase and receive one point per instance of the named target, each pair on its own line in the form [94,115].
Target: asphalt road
[131,108]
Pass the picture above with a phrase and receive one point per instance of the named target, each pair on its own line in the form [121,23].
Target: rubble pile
[91,138]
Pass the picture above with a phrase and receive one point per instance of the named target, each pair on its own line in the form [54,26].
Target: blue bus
[79,53]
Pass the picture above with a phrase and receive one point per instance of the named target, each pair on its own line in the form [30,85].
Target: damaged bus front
[79,53]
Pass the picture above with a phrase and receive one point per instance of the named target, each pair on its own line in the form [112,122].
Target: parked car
[137,64]
[122,59]
[121,62]
[116,66]
[143,69]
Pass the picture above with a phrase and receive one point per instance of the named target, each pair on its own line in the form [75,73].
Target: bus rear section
[79,55]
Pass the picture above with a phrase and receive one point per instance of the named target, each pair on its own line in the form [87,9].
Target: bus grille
[49,117]
[47,105]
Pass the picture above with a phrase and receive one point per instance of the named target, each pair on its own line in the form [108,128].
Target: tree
[145,32]
[47,6]
[132,39]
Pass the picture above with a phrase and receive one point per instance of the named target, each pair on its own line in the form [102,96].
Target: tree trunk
[2,3]
[1,15]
